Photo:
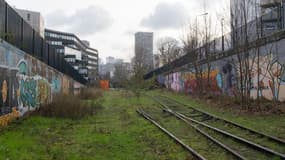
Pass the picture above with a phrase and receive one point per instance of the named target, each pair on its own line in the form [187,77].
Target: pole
[281,15]
[223,37]
[204,14]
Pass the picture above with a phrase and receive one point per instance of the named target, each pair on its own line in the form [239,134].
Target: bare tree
[137,84]
[244,31]
[209,47]
[190,42]
[120,78]
[168,50]
[274,71]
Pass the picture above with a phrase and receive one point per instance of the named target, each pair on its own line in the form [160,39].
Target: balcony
[269,3]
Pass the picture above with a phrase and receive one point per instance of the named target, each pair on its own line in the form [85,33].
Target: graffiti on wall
[44,92]
[227,75]
[224,80]
[28,93]
[56,85]
[221,80]
[4,120]
[65,85]
[186,81]
[22,66]
[4,91]
[270,76]
[26,83]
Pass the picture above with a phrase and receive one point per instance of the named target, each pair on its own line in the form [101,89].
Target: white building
[75,58]
[144,49]
[35,19]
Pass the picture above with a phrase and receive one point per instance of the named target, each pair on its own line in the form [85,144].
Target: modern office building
[22,29]
[272,12]
[244,10]
[144,49]
[108,69]
[35,19]
[267,15]
[262,18]
[76,52]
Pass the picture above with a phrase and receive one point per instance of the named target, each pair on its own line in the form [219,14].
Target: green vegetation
[114,132]
[269,124]
[68,106]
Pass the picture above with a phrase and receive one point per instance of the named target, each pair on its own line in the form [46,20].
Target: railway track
[188,138]
[242,141]
[191,150]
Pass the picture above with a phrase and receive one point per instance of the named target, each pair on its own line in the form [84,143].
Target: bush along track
[241,142]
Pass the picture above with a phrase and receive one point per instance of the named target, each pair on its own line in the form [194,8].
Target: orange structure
[104,84]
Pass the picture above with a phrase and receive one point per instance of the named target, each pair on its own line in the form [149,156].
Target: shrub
[90,93]
[67,106]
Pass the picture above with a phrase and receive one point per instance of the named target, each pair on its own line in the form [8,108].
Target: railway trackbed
[211,137]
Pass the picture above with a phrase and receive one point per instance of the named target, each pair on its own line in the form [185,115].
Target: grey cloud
[166,16]
[57,18]
[84,22]
[129,33]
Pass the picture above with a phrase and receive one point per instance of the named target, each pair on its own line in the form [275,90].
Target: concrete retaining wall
[224,76]
[27,83]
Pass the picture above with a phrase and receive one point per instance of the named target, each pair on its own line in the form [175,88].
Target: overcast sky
[110,25]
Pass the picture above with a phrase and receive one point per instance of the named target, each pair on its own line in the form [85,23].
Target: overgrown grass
[270,124]
[114,132]
[90,93]
[67,106]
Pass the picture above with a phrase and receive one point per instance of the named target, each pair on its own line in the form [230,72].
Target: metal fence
[15,30]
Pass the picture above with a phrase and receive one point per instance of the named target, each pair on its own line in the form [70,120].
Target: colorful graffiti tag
[186,82]
[224,80]
[4,91]
[26,83]
[44,92]
[270,76]
[28,92]
[22,67]
[56,85]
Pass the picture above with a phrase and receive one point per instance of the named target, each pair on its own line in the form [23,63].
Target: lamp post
[204,14]
[223,37]
[281,14]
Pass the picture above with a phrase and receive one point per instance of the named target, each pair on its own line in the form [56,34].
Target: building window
[29,16]
[70,60]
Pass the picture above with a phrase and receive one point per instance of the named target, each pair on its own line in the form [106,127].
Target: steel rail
[233,152]
[252,144]
[249,143]
[232,123]
[192,151]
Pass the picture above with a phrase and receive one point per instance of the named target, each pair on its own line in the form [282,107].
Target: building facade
[107,70]
[110,60]
[77,52]
[35,19]
[262,17]
[272,12]
[144,49]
